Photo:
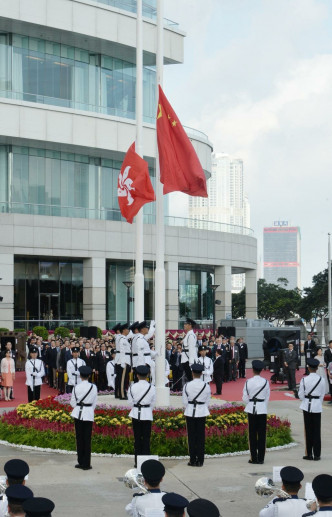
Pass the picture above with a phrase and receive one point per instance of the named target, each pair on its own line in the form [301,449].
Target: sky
[257,79]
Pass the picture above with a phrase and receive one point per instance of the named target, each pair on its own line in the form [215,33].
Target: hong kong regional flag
[134,185]
[180,168]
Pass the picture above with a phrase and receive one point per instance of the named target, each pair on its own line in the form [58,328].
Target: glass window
[195,294]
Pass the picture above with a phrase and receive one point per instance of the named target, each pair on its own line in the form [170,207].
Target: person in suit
[175,364]
[309,351]
[226,346]
[218,371]
[243,355]
[102,359]
[327,361]
[50,362]
[233,359]
[290,365]
[168,351]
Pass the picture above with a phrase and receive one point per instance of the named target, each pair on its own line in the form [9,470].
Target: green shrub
[41,331]
[4,330]
[19,330]
[62,332]
[76,330]
[99,333]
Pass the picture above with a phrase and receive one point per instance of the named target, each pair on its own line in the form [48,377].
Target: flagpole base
[162,396]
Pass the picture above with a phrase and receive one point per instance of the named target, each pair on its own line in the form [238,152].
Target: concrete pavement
[229,482]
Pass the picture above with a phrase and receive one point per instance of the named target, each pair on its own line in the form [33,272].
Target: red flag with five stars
[134,184]
[180,168]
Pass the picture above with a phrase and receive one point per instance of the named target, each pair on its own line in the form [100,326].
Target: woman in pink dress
[7,374]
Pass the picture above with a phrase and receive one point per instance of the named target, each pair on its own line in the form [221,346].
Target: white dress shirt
[134,350]
[117,338]
[250,389]
[34,369]
[143,351]
[110,372]
[190,392]
[135,393]
[189,348]
[306,386]
[87,413]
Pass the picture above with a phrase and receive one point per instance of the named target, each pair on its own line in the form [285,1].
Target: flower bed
[47,423]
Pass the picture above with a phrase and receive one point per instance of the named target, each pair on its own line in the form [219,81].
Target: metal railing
[107,214]
[48,324]
[149,10]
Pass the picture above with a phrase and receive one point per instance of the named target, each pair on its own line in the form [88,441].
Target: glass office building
[67,118]
[282,255]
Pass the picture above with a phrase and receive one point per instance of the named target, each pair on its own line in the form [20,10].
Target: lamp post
[323,330]
[128,285]
[214,287]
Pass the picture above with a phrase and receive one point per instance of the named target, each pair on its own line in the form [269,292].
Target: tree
[315,299]
[274,302]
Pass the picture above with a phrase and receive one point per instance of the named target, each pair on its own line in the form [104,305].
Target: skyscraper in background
[282,254]
[226,202]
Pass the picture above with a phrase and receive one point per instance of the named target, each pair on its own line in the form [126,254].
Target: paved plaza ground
[229,482]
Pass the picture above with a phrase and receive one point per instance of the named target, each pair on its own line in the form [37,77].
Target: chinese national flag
[180,168]
[134,185]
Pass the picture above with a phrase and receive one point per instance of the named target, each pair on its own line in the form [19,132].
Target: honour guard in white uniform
[189,350]
[125,358]
[73,367]
[110,371]
[117,360]
[199,507]
[143,505]
[142,398]
[143,348]
[206,362]
[34,369]
[311,393]
[322,487]
[256,393]
[196,396]
[84,400]
[285,506]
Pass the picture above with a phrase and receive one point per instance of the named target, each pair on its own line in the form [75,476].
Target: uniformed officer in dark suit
[102,359]
[290,365]
[309,351]
[243,355]
[218,371]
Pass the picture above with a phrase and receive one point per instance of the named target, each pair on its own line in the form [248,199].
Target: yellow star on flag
[174,123]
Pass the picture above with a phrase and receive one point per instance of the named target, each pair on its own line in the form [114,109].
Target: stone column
[172,295]
[94,292]
[223,278]
[7,291]
[251,294]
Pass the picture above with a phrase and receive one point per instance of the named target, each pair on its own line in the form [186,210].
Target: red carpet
[21,392]
[232,391]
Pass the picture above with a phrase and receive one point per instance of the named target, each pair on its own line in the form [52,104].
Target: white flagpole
[329,286]
[162,393]
[139,275]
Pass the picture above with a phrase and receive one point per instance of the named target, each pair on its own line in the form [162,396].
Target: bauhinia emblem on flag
[180,168]
[134,185]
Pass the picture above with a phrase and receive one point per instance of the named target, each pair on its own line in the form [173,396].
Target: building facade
[226,202]
[282,254]
[67,118]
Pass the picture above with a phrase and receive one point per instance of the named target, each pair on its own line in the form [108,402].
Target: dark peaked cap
[16,469]
[200,507]
[322,486]
[38,507]
[291,475]
[174,502]
[18,493]
[152,470]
